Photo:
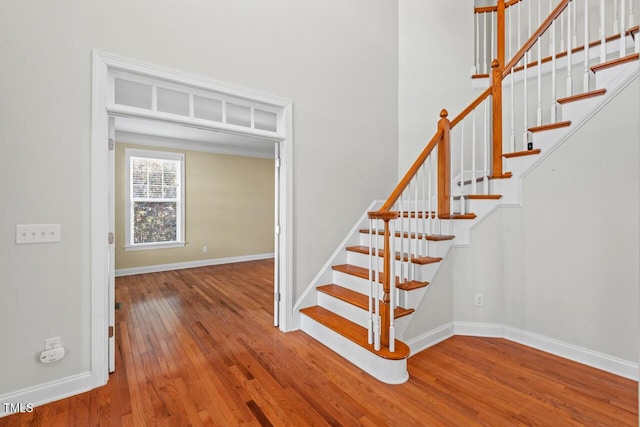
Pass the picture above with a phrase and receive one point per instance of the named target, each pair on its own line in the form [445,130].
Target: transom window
[155,199]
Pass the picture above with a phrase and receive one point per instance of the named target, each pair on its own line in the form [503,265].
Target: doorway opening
[127,94]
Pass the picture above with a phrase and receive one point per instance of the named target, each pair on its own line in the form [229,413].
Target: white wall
[336,60]
[565,266]
[435,60]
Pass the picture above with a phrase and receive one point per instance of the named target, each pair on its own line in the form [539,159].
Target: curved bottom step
[388,370]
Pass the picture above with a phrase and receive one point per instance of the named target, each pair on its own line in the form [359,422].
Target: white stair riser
[411,299]
[424,247]
[614,75]
[387,371]
[575,110]
[344,309]
[352,282]
[421,273]
[360,316]
[406,299]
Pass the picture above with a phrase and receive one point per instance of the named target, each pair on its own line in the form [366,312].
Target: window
[155,199]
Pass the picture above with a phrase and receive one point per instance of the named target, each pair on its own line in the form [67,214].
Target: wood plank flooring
[197,347]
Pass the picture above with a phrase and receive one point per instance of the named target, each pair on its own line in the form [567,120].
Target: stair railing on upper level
[521,17]
[470,147]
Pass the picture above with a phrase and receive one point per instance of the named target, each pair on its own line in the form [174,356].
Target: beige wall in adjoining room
[229,207]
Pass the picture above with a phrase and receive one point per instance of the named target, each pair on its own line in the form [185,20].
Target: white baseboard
[430,338]
[614,365]
[190,264]
[48,392]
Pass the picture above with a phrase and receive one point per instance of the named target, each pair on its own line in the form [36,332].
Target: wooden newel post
[385,320]
[500,42]
[444,167]
[496,96]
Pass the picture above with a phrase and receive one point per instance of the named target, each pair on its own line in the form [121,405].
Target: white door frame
[102,210]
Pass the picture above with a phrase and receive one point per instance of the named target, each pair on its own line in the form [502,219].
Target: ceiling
[170,135]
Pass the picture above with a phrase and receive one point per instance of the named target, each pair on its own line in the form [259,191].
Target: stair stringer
[616,81]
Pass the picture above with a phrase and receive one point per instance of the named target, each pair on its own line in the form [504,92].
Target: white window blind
[155,193]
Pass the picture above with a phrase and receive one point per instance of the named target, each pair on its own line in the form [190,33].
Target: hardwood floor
[197,347]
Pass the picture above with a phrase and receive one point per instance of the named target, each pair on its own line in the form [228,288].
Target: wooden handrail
[485,9]
[412,171]
[534,37]
[471,107]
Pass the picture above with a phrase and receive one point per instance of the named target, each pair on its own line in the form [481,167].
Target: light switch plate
[37,233]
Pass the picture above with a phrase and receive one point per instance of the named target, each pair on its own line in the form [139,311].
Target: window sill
[152,246]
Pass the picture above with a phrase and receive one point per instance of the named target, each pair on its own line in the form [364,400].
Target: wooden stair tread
[505,175]
[550,126]
[590,94]
[357,299]
[432,237]
[460,216]
[405,257]
[479,197]
[615,62]
[522,153]
[411,285]
[354,332]
[363,273]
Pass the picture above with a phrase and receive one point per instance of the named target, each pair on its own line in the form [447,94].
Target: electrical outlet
[51,343]
[205,249]
[479,300]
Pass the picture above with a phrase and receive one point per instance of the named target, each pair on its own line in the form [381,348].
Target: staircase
[363,300]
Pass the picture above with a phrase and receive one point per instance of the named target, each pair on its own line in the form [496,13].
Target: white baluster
[430,220]
[402,227]
[519,26]
[413,242]
[486,53]
[552,46]
[539,110]
[509,35]
[562,30]
[513,116]
[485,156]
[632,18]
[529,32]
[423,220]
[477,63]
[474,190]
[526,108]
[392,289]
[376,293]
[539,43]
[461,169]
[623,31]
[585,83]
[615,16]
[494,41]
[574,38]
[371,276]
[569,55]
[554,104]
[603,37]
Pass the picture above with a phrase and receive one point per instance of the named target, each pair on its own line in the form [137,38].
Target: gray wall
[337,61]
[565,266]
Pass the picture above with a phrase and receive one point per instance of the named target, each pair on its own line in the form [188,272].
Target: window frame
[180,223]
